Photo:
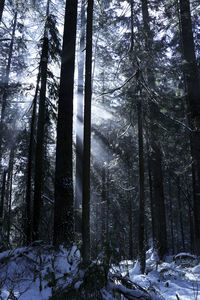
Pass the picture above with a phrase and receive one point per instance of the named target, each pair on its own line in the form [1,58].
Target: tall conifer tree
[64,201]
[192,82]
[87,136]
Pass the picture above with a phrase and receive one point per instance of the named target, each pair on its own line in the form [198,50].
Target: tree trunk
[192,82]
[79,121]
[152,206]
[38,178]
[2,209]
[6,83]
[192,240]
[180,207]
[28,216]
[64,203]
[87,136]
[171,214]
[2,3]
[141,243]
[160,218]
[103,206]
[107,206]
[156,155]
[130,219]
[132,27]
[9,192]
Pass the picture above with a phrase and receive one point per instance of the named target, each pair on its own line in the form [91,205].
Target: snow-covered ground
[33,273]
[177,278]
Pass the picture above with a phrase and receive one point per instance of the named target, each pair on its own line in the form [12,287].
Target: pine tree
[38,178]
[192,82]
[28,216]
[2,3]
[87,136]
[64,202]
[155,157]
[79,120]
[141,242]
[6,83]
[2,208]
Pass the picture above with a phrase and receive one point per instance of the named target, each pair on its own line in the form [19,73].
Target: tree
[191,77]
[28,217]
[79,120]
[2,208]
[9,192]
[155,158]
[6,83]
[141,245]
[2,3]
[87,136]
[63,213]
[38,179]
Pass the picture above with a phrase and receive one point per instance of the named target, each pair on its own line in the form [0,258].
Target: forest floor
[40,273]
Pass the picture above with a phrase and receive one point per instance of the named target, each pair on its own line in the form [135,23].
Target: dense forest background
[100,127]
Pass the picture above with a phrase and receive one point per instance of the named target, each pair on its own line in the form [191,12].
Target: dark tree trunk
[9,192]
[2,3]
[148,43]
[103,206]
[107,208]
[171,214]
[28,215]
[38,178]
[191,219]
[190,69]
[192,83]
[180,208]
[132,27]
[2,208]
[6,83]
[87,136]
[64,203]
[141,243]
[130,219]
[79,122]
[152,206]
[156,155]
[160,218]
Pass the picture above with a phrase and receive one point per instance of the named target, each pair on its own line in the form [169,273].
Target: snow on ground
[32,273]
[175,279]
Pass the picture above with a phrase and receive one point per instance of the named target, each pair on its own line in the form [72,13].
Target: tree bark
[2,3]
[130,219]
[160,218]
[2,208]
[192,82]
[6,83]
[64,203]
[171,214]
[141,243]
[132,26]
[156,154]
[28,216]
[180,207]
[79,121]
[38,178]
[9,192]
[152,204]
[87,136]
[103,206]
